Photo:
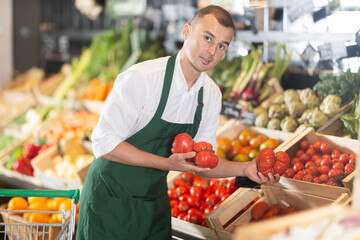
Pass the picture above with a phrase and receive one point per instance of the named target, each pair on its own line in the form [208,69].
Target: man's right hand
[179,162]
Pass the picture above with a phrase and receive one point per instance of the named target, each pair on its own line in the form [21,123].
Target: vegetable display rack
[16,227]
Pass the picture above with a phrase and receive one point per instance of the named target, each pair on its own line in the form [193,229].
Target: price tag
[235,110]
[231,110]
[300,8]
[248,118]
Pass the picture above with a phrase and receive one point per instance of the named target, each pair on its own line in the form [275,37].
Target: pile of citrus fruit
[41,204]
[245,147]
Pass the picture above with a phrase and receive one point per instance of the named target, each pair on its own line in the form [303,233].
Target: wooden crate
[272,195]
[45,161]
[188,228]
[264,230]
[343,144]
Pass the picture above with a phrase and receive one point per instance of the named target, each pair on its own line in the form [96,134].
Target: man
[125,193]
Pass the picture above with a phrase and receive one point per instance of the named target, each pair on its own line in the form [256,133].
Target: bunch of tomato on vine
[192,197]
[245,147]
[320,163]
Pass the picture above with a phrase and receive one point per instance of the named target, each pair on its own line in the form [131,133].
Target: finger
[262,177]
[189,155]
[277,177]
[271,177]
[199,169]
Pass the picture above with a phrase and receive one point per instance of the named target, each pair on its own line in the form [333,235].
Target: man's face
[206,42]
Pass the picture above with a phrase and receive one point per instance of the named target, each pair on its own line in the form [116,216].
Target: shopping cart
[16,227]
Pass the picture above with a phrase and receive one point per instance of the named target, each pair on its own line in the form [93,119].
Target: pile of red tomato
[193,197]
[262,210]
[245,147]
[320,163]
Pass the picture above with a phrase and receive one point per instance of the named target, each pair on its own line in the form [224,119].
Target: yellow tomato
[241,158]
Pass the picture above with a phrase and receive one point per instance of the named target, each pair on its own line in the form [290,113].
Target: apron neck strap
[198,113]
[167,84]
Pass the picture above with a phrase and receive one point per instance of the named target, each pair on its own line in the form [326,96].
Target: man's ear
[186,31]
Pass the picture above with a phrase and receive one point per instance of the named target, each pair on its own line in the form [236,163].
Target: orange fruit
[39,217]
[246,150]
[220,153]
[245,136]
[32,200]
[253,153]
[55,203]
[234,151]
[66,204]
[223,144]
[56,218]
[39,206]
[241,158]
[18,203]
[270,143]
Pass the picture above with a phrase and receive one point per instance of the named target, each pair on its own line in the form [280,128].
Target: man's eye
[207,38]
[222,47]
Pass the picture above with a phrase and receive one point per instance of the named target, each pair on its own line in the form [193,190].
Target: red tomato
[212,200]
[289,209]
[304,158]
[309,163]
[327,162]
[335,153]
[266,162]
[289,173]
[172,193]
[317,162]
[323,169]
[203,146]
[324,178]
[179,182]
[304,145]
[325,148]
[258,211]
[214,183]
[298,167]
[294,160]
[208,209]
[188,177]
[194,217]
[337,174]
[183,206]
[352,158]
[182,143]
[299,175]
[275,208]
[182,216]
[193,201]
[225,196]
[269,214]
[184,197]
[299,153]
[317,146]
[196,191]
[174,202]
[315,157]
[308,177]
[339,165]
[344,158]
[349,168]
[175,211]
[197,179]
[332,182]
[202,183]
[230,186]
[312,170]
[311,152]
[206,159]
[317,180]
[181,190]
[220,191]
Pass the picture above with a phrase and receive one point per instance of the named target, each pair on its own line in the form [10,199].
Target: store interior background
[324,34]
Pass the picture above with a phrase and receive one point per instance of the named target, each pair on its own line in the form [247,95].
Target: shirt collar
[180,79]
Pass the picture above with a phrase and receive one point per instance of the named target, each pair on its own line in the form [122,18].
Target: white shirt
[136,95]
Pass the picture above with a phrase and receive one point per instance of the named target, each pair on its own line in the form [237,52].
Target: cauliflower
[296,108]
[331,105]
[262,120]
[317,118]
[311,101]
[276,111]
[289,124]
[274,124]
[291,95]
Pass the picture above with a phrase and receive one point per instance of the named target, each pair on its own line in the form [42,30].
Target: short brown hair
[221,15]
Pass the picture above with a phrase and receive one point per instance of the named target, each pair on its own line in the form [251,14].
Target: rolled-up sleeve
[120,113]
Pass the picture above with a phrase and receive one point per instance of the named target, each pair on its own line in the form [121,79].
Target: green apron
[120,201]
